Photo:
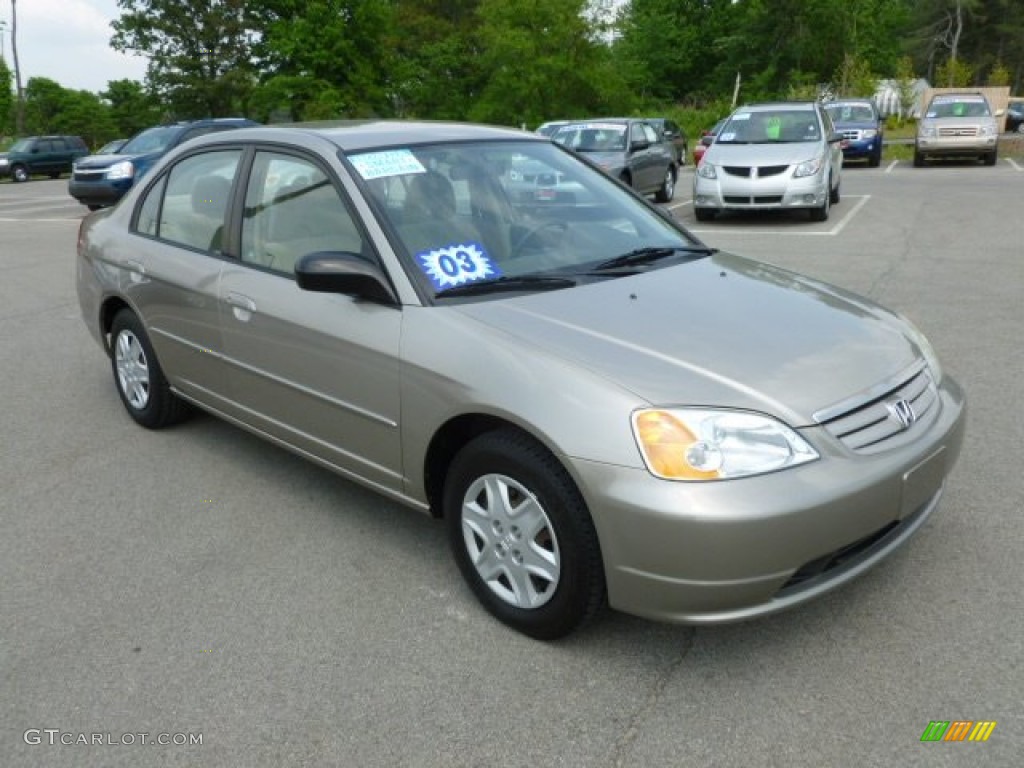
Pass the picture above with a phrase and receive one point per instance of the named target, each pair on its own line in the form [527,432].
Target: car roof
[358,135]
[766,105]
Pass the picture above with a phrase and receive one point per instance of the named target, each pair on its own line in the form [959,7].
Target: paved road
[200,582]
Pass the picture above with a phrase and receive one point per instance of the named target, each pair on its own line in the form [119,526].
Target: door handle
[241,306]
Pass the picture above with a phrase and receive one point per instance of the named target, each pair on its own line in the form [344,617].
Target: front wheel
[19,173]
[55,175]
[704,214]
[522,536]
[918,159]
[668,187]
[138,377]
[991,157]
[821,212]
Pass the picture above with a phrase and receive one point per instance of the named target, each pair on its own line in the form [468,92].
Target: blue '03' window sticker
[457,264]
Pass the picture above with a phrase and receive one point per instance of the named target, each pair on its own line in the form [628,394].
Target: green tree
[51,108]
[200,53]
[323,58]
[954,73]
[540,58]
[132,107]
[6,99]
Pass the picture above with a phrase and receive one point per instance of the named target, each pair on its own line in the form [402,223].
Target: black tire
[55,175]
[821,212]
[834,194]
[93,207]
[626,179]
[991,158]
[138,377]
[918,159]
[667,190]
[704,214]
[876,159]
[524,479]
[19,174]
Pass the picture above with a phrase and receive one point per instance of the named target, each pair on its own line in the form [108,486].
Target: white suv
[957,125]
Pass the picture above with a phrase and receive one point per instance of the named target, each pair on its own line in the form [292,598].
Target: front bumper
[98,192]
[744,193]
[862,148]
[956,146]
[702,553]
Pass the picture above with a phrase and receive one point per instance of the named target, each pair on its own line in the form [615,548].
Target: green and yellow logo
[958,730]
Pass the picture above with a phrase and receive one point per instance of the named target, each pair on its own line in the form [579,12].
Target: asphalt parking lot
[198,581]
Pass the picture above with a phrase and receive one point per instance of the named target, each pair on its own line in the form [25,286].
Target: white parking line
[1015,164]
[679,204]
[839,226]
[891,165]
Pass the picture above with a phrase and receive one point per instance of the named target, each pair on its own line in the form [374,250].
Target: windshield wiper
[649,254]
[508,283]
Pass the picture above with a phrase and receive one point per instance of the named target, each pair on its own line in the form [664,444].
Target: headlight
[705,444]
[927,131]
[926,348]
[706,170]
[987,130]
[808,168]
[870,133]
[121,170]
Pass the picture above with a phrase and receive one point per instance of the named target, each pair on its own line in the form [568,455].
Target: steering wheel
[530,233]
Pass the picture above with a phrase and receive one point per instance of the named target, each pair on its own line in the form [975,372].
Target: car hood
[762,154]
[718,331]
[105,161]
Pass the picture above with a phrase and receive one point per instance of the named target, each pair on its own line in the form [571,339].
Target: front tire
[991,158]
[918,159]
[19,174]
[140,381]
[821,212]
[668,187]
[522,536]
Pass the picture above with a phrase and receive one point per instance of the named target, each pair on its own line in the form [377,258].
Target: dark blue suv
[100,180]
[861,126]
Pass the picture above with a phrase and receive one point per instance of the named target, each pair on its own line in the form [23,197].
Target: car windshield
[151,140]
[782,126]
[526,211]
[850,113]
[593,137]
[954,106]
[21,146]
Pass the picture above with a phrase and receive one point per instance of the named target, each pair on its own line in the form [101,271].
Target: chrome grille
[851,134]
[873,426]
[968,131]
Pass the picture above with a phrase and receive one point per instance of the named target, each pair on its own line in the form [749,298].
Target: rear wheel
[137,374]
[522,535]
[668,186]
[19,173]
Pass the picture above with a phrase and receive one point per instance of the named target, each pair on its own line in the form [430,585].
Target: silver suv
[957,125]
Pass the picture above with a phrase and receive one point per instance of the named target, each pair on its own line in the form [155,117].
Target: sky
[68,41]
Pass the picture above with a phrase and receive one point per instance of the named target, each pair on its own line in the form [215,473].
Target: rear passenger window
[189,207]
[292,209]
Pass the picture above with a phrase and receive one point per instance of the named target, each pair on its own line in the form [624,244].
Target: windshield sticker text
[378,165]
[455,265]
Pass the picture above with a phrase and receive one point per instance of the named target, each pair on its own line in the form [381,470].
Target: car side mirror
[834,137]
[1000,112]
[343,272]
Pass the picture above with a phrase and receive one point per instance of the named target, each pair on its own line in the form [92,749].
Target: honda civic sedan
[602,409]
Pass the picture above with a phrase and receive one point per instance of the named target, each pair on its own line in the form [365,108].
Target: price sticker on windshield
[455,265]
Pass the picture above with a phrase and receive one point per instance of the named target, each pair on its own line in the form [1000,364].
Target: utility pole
[19,109]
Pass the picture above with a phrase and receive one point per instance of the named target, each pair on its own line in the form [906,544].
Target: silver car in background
[771,156]
[477,324]
[957,125]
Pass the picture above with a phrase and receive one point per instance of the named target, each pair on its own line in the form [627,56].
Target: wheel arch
[108,311]
[450,438]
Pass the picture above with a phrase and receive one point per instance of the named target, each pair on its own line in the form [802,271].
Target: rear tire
[522,536]
[139,379]
[668,186]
